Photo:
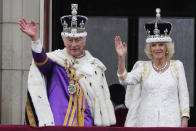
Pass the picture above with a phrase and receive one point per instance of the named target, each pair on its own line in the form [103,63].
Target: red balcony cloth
[61,128]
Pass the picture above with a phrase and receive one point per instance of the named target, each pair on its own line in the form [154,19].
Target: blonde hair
[169,49]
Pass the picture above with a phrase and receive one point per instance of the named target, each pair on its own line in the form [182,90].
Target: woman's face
[158,50]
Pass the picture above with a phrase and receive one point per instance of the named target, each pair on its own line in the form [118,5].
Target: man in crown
[66,87]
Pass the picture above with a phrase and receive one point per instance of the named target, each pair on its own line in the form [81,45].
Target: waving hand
[30,29]
[121,48]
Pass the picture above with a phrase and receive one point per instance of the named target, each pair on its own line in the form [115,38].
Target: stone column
[15,57]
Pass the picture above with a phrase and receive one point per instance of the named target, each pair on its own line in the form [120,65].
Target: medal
[71,89]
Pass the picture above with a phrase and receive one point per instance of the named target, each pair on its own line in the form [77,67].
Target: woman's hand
[30,29]
[184,122]
[121,48]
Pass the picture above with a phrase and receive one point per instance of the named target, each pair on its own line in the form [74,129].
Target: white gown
[164,96]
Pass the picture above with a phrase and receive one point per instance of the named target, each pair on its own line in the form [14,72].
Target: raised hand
[121,48]
[30,29]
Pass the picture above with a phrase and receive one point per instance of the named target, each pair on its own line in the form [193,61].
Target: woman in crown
[163,97]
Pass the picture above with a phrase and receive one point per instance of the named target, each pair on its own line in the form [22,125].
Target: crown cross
[165,31]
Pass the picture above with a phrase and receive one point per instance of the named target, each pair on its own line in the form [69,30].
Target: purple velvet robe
[57,90]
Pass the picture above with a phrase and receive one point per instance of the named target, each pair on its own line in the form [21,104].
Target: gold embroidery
[185,112]
[175,69]
[144,71]
[30,115]
[41,63]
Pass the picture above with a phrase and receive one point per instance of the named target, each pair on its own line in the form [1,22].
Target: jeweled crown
[158,31]
[74,25]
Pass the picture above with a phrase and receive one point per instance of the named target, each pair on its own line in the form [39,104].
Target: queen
[164,99]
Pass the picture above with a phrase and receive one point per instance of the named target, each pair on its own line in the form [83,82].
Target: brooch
[71,89]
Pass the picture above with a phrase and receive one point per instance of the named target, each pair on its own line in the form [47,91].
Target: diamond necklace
[161,68]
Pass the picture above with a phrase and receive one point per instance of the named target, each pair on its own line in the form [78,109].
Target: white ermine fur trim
[37,91]
[94,85]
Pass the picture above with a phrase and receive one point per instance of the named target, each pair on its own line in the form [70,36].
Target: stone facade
[15,52]
[15,57]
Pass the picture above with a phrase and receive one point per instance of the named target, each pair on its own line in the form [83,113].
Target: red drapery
[61,128]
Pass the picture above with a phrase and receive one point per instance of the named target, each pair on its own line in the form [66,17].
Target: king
[66,87]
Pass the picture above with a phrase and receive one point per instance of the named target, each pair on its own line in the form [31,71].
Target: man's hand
[30,29]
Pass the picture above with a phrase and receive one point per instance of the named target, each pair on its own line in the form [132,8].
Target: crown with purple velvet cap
[74,25]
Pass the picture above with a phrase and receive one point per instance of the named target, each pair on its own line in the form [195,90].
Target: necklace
[160,68]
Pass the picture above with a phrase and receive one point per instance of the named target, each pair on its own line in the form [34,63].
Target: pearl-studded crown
[158,31]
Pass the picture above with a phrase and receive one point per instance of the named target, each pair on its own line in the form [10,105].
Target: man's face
[75,46]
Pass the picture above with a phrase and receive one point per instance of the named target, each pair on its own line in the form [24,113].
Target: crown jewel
[74,25]
[158,31]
